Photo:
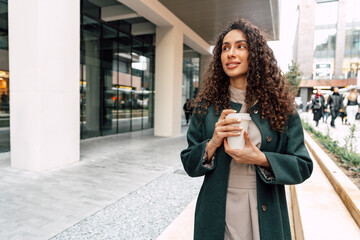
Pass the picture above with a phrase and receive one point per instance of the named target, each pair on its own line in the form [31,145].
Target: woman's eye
[225,48]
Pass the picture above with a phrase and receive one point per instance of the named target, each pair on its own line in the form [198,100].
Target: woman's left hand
[250,154]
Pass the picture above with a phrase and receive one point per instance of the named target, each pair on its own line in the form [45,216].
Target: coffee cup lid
[244,116]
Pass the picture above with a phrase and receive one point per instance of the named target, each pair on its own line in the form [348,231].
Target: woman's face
[234,55]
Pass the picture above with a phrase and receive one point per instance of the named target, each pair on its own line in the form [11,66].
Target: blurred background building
[326,45]
[77,69]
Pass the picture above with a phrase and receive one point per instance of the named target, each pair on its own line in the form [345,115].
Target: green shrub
[348,156]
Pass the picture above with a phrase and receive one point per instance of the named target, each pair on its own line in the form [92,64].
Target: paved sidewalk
[339,133]
[42,205]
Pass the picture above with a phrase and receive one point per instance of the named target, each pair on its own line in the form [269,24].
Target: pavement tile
[110,168]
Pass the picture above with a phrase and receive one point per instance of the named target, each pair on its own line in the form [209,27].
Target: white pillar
[168,80]
[44,62]
[340,39]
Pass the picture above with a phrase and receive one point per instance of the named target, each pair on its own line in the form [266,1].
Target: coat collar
[237,106]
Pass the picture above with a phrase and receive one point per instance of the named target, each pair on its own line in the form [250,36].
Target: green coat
[290,163]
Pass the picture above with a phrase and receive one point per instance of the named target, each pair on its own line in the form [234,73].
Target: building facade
[77,69]
[327,44]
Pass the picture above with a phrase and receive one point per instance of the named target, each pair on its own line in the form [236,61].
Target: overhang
[207,17]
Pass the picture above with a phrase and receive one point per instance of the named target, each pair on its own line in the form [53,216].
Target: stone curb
[345,188]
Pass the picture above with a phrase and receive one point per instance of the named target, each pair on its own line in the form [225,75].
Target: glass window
[4,79]
[117,77]
[351,63]
[352,11]
[325,39]
[124,83]
[190,83]
[326,13]
[90,78]
[148,82]
[110,80]
[138,66]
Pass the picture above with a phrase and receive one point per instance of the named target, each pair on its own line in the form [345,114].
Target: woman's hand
[250,154]
[222,130]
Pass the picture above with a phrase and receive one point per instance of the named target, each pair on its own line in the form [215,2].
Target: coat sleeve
[294,165]
[192,157]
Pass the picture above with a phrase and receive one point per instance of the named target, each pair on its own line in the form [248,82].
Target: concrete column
[168,80]
[340,39]
[204,64]
[44,60]
[305,38]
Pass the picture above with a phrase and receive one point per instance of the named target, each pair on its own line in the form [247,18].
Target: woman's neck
[239,83]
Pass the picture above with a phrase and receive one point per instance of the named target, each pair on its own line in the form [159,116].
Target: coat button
[268,139]
[255,111]
[263,207]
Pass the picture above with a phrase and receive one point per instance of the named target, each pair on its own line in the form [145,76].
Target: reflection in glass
[351,63]
[148,87]
[90,78]
[137,67]
[117,79]
[124,83]
[109,70]
[191,77]
[325,39]
[190,83]
[4,79]
[324,53]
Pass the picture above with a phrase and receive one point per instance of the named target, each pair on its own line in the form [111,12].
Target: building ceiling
[207,17]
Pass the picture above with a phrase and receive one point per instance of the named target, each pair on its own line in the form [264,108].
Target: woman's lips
[232,65]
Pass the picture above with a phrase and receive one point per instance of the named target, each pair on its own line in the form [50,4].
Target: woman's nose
[231,52]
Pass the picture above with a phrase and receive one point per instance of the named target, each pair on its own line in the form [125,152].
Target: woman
[317,106]
[243,196]
[352,102]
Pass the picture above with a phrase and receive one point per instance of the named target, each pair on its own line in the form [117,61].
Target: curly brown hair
[265,81]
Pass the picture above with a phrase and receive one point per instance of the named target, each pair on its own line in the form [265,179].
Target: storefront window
[351,64]
[117,78]
[4,79]
[325,39]
[90,77]
[124,83]
[191,69]
[110,80]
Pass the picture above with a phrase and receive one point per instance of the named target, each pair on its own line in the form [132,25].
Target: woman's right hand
[222,130]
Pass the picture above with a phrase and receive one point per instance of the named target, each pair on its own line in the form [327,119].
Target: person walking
[243,196]
[188,110]
[326,109]
[335,104]
[318,106]
[352,101]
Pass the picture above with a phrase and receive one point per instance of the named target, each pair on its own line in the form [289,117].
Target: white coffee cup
[238,142]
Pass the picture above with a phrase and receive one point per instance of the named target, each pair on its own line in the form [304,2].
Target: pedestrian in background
[326,110]
[335,104]
[318,106]
[352,101]
[187,110]
[243,196]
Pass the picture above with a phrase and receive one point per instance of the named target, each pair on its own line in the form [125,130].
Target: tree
[293,76]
